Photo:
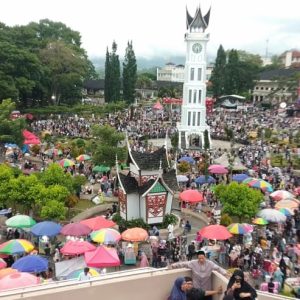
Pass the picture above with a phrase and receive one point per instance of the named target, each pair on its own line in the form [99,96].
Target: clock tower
[193,113]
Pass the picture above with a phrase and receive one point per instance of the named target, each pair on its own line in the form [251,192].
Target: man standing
[85,275]
[201,271]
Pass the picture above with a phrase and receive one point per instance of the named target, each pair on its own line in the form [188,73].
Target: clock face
[197,48]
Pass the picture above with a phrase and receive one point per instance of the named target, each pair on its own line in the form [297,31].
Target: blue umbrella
[31,264]
[205,179]
[188,159]
[47,228]
[239,177]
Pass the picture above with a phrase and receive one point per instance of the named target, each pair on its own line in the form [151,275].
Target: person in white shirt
[85,275]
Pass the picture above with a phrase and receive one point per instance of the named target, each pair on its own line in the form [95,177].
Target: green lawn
[83,205]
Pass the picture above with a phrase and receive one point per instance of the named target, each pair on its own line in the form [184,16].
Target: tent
[30,138]
[157,106]
[102,257]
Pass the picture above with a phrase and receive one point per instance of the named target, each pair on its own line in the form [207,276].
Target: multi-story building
[290,58]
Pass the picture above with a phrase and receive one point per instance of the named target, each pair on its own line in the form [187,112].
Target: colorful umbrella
[239,177]
[65,163]
[75,229]
[237,228]
[272,215]
[260,184]
[7,271]
[192,196]
[3,263]
[18,246]
[205,179]
[17,280]
[215,232]
[217,169]
[102,257]
[281,195]
[106,236]
[286,211]
[291,204]
[47,228]
[260,221]
[101,169]
[31,264]
[75,274]
[187,159]
[135,234]
[83,157]
[97,223]
[76,247]
[249,179]
[20,221]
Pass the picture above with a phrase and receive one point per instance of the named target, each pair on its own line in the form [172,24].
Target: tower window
[194,118]
[199,96]
[190,96]
[195,96]
[192,74]
[199,74]
[189,118]
[198,119]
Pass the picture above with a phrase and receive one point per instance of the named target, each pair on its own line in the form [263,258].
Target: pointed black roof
[198,22]
[149,161]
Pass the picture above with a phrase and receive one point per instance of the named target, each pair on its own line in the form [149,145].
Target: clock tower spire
[193,113]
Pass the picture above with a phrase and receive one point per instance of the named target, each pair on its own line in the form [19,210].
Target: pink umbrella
[17,280]
[215,232]
[76,247]
[3,263]
[97,223]
[217,169]
[191,196]
[75,229]
[157,106]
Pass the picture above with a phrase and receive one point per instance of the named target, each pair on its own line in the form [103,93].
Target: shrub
[225,220]
[168,219]
[184,167]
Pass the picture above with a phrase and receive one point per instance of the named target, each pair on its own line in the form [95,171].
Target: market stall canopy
[97,223]
[15,247]
[106,236]
[102,257]
[77,248]
[47,228]
[30,138]
[215,232]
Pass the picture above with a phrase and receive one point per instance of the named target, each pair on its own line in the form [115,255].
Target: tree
[54,210]
[10,130]
[239,200]
[129,74]
[108,145]
[55,175]
[218,73]
[232,76]
[6,174]
[107,78]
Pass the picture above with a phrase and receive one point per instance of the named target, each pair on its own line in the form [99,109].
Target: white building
[170,72]
[290,58]
[193,112]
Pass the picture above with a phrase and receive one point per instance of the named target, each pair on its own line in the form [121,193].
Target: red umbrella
[215,232]
[77,247]
[135,234]
[217,169]
[75,229]
[17,280]
[97,223]
[157,106]
[102,257]
[191,196]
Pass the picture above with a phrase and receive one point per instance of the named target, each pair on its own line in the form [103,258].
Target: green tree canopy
[239,200]
[108,145]
[54,210]
[129,74]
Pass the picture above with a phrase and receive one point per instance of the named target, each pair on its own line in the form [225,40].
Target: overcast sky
[157,27]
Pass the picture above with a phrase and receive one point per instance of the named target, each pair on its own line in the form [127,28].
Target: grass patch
[83,205]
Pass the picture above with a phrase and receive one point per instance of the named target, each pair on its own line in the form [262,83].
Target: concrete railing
[146,284]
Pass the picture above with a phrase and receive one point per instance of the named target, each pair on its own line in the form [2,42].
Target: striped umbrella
[83,157]
[281,195]
[75,274]
[238,228]
[18,246]
[65,163]
[106,236]
[260,221]
[286,211]
[260,184]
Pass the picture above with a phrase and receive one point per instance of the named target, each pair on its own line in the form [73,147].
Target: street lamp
[53,98]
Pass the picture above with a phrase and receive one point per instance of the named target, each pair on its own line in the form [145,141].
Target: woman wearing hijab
[178,290]
[238,288]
